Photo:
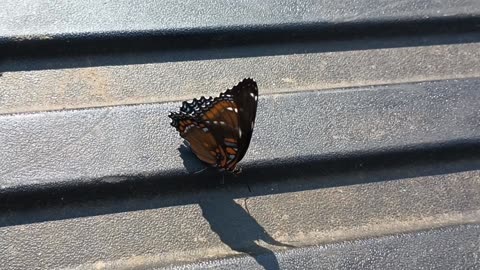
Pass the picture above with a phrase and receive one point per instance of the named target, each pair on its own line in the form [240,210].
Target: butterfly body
[219,129]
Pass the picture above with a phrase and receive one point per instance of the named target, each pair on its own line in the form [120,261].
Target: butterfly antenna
[200,171]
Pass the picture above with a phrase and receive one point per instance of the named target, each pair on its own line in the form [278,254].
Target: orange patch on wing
[231,151]
[208,115]
[202,144]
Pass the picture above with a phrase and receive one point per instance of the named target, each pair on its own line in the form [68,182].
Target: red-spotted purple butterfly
[219,129]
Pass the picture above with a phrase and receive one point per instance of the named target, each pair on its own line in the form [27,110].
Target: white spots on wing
[252,95]
[256,98]
[205,129]
[240,133]
[230,109]
[222,123]
[208,122]
[236,111]
[252,124]
[230,157]
[215,122]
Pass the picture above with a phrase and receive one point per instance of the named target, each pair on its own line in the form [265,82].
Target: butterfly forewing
[219,130]
[245,95]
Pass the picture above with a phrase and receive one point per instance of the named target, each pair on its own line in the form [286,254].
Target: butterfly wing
[245,97]
[232,118]
[228,119]
[201,140]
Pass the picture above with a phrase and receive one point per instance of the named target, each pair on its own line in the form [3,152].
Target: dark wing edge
[202,105]
[245,95]
[177,118]
[199,106]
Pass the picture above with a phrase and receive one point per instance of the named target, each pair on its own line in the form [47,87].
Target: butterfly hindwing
[203,144]
[201,140]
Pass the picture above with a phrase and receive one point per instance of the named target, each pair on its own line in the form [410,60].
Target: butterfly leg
[197,172]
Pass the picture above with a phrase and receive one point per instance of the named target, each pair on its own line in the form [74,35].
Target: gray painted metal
[156,226]
[117,143]
[29,85]
[449,248]
[42,19]
[379,172]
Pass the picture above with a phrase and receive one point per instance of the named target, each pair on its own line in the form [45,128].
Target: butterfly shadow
[233,223]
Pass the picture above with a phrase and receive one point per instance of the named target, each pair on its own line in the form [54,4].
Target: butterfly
[219,129]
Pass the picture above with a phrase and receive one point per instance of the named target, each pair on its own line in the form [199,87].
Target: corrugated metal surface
[365,154]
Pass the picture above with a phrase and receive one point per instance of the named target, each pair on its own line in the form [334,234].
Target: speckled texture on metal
[366,152]
[122,142]
[154,77]
[163,228]
[455,248]
[37,19]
